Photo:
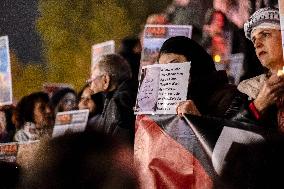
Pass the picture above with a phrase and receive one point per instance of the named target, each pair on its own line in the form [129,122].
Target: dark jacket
[212,95]
[118,117]
[240,108]
[208,88]
[240,111]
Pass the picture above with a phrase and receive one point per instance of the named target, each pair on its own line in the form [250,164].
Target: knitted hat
[262,18]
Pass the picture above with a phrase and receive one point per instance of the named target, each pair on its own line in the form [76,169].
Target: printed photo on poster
[5,73]
[8,152]
[100,49]
[155,35]
[69,122]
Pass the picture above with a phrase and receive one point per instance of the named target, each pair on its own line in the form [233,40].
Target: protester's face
[86,101]
[166,58]
[68,102]
[97,80]
[268,47]
[43,115]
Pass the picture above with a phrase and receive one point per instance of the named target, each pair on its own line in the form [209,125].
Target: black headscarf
[202,63]
[205,80]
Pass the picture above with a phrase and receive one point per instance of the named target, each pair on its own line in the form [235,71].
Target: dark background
[17,19]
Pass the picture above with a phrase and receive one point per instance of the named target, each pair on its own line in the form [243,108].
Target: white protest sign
[70,121]
[162,87]
[148,89]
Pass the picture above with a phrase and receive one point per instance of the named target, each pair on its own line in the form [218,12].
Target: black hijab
[204,79]
[201,62]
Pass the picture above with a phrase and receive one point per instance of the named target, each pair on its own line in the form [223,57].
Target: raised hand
[187,107]
[270,93]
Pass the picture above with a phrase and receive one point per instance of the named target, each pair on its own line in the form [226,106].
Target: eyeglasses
[89,81]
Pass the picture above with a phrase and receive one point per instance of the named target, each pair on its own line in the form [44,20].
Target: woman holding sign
[208,91]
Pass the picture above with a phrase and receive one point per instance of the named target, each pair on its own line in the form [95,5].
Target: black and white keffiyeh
[262,18]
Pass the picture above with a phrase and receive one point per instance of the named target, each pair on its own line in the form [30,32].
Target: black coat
[118,118]
[212,95]
[240,111]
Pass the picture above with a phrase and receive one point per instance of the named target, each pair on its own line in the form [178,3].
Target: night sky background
[17,19]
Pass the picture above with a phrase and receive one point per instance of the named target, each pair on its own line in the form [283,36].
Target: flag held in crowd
[205,152]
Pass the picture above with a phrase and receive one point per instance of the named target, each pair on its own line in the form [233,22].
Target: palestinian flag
[202,153]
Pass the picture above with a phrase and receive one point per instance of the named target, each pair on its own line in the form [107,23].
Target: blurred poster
[161,88]
[155,35]
[8,151]
[221,66]
[51,88]
[236,67]
[69,122]
[233,65]
[5,72]
[281,10]
[100,49]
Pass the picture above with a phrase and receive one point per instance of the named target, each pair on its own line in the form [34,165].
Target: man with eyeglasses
[111,76]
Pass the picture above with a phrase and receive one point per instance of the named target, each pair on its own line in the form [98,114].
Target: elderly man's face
[97,80]
[268,47]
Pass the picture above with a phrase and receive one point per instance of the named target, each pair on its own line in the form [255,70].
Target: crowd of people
[110,95]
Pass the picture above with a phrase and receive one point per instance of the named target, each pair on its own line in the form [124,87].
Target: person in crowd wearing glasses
[111,76]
